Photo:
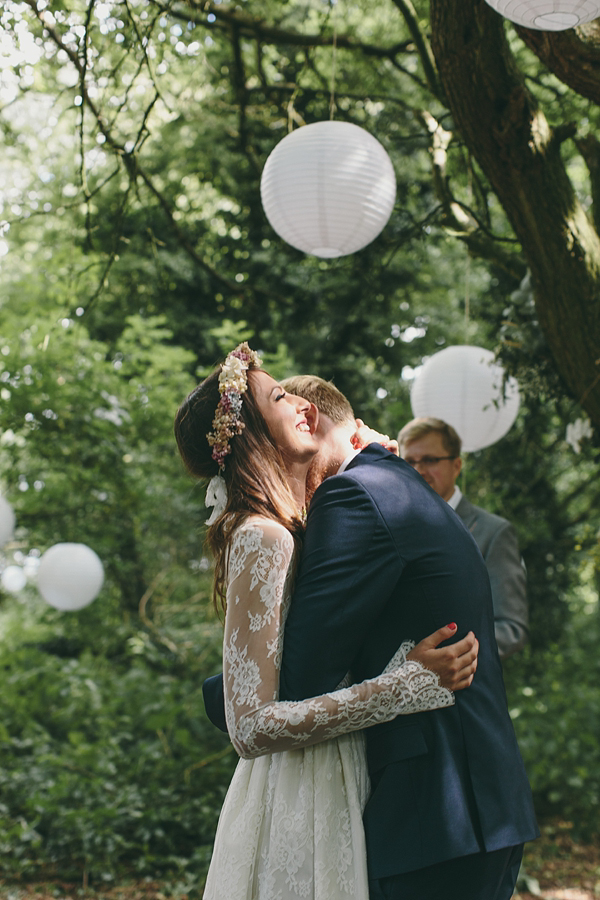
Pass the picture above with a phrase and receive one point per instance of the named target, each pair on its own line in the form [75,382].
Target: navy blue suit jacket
[385,560]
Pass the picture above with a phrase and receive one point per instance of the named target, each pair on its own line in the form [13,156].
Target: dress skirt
[291,826]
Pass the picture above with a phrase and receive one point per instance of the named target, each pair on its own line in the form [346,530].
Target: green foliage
[138,255]
[108,764]
[82,436]
[555,705]
[533,478]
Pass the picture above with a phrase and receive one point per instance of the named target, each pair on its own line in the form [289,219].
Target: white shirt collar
[455,498]
[347,461]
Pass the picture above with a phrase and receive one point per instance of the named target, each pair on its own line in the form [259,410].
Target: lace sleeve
[259,566]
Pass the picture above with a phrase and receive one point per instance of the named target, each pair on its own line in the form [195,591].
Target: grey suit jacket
[497,540]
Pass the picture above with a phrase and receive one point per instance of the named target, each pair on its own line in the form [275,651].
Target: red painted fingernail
[452,625]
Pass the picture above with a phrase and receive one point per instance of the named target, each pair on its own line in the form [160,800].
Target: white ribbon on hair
[216,496]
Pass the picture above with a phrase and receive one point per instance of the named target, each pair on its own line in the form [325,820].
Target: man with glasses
[433,448]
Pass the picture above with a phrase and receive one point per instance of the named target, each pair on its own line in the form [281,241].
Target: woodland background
[134,253]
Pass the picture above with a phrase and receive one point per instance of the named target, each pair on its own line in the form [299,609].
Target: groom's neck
[335,447]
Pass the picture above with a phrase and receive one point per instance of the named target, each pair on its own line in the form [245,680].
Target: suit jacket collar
[373,453]
[368,454]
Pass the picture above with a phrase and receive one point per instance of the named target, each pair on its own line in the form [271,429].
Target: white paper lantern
[328,188]
[70,576]
[464,386]
[548,15]
[7,521]
[13,579]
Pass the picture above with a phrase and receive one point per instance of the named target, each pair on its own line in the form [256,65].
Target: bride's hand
[454,664]
[365,435]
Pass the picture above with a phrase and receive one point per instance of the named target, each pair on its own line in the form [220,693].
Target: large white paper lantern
[328,188]
[548,15]
[70,576]
[13,579]
[464,386]
[7,521]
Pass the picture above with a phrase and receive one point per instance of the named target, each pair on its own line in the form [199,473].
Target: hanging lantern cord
[467,297]
[333,62]
[468,267]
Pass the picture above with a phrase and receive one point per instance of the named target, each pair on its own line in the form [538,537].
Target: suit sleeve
[214,701]
[349,566]
[509,591]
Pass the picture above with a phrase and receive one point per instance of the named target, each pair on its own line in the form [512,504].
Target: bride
[291,824]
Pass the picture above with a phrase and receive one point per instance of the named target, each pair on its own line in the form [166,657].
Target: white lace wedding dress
[291,824]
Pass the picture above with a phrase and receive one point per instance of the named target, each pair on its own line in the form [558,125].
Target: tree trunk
[511,140]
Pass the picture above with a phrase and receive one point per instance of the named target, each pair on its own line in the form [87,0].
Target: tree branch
[228,16]
[129,159]
[457,217]
[423,47]
[572,55]
[589,147]
[520,154]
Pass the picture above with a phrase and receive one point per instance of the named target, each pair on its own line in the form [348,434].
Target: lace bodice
[258,593]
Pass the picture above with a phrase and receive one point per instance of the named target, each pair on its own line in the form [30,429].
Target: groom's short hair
[324,394]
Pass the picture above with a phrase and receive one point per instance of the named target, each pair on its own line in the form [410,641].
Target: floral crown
[233,383]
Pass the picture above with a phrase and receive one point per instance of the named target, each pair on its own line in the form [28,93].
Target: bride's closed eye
[280,396]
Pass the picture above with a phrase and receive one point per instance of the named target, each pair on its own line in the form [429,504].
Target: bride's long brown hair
[255,472]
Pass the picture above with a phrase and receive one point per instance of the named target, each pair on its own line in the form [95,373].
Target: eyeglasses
[426,461]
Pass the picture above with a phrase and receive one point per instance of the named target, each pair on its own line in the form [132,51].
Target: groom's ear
[312,417]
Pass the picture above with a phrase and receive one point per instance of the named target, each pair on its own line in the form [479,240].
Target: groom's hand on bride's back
[454,664]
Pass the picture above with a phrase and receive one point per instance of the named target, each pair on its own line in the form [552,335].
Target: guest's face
[424,454]
[291,420]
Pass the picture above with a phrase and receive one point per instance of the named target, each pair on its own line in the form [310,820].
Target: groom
[384,560]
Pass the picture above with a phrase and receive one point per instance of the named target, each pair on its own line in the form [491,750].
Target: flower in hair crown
[233,383]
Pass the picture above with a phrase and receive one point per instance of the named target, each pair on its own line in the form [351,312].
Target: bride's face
[291,420]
